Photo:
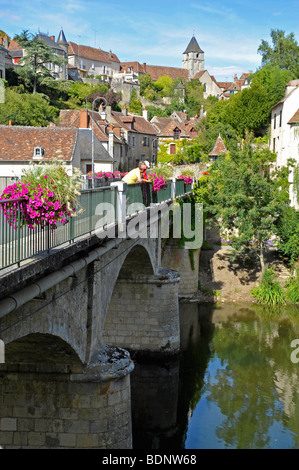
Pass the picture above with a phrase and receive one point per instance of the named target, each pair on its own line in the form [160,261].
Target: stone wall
[48,411]
[186,264]
[144,315]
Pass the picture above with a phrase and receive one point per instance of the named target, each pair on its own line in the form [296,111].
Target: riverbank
[224,280]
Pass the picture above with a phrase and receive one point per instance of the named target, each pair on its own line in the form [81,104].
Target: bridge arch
[142,312]
[51,351]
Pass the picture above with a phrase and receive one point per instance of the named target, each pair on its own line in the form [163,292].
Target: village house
[92,61]
[21,146]
[139,134]
[110,138]
[173,129]
[59,48]
[284,131]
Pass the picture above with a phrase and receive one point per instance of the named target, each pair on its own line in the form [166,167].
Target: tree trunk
[262,260]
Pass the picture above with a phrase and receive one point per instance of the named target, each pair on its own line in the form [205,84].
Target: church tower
[193,58]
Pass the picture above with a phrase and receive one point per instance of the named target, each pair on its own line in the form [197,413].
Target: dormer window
[38,152]
[176,133]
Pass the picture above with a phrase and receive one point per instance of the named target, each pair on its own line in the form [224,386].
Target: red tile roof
[135,66]
[91,53]
[219,148]
[17,143]
[156,71]
[294,119]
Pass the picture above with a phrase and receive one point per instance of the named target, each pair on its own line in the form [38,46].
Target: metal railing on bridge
[19,243]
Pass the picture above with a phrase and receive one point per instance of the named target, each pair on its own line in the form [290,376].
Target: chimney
[83,119]
[125,111]
[144,66]
[111,141]
[145,114]
[235,77]
[53,38]
[9,122]
[5,42]
[108,111]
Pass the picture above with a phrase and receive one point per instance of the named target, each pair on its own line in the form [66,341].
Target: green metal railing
[19,243]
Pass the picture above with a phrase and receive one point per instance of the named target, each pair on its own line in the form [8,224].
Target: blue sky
[158,32]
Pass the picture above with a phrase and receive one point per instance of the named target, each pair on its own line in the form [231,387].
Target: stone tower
[193,58]
[63,44]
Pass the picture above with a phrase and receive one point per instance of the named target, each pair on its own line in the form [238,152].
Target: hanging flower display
[48,196]
[159,182]
[187,179]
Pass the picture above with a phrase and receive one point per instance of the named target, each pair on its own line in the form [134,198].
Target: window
[145,141]
[176,133]
[172,149]
[274,145]
[92,66]
[133,141]
[38,152]
[280,119]
[274,121]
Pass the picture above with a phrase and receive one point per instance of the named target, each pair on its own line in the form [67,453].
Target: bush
[269,292]
[293,289]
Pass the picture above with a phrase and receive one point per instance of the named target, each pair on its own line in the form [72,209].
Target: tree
[26,109]
[248,110]
[34,63]
[274,80]
[245,198]
[284,51]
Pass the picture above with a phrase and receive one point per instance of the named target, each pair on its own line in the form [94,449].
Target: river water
[233,387]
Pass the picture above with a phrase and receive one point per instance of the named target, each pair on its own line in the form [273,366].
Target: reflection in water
[236,383]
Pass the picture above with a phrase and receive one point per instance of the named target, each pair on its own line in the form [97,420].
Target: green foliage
[248,110]
[288,232]
[245,198]
[38,55]
[26,109]
[135,105]
[292,288]
[155,111]
[274,80]
[283,53]
[269,292]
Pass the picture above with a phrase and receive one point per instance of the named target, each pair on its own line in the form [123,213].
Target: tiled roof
[156,71]
[219,148]
[169,129]
[71,118]
[135,66]
[142,126]
[17,143]
[294,119]
[91,53]
[224,85]
[14,46]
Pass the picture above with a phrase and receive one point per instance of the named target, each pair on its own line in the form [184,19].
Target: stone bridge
[70,332]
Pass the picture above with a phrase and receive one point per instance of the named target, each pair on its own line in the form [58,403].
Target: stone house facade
[92,61]
[140,136]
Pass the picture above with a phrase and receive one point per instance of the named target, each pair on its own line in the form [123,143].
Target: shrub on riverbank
[269,292]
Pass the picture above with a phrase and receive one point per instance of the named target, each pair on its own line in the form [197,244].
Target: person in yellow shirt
[138,175]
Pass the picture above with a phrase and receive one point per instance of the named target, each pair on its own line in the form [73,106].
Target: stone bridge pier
[68,334]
